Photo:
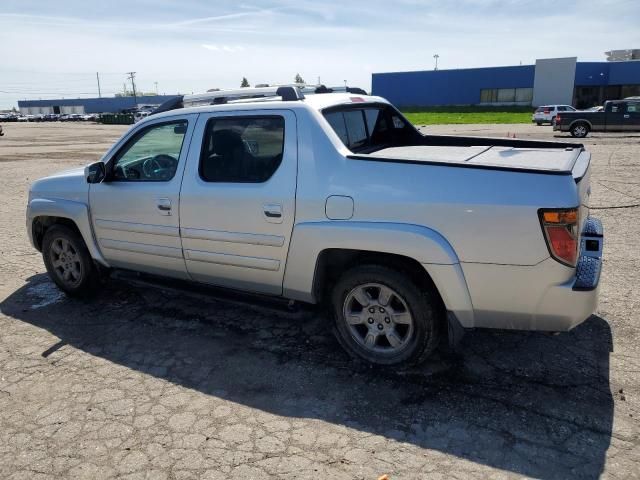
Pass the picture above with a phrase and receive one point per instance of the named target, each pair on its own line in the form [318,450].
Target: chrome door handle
[273,212]
[164,205]
[626,116]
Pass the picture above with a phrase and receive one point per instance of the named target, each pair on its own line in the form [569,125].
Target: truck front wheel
[68,261]
[579,130]
[383,317]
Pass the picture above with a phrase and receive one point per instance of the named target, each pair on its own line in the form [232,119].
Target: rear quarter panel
[488,216]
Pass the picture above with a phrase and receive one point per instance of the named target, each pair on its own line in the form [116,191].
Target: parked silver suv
[336,199]
[548,113]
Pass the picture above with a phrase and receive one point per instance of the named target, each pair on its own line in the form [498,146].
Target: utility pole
[98,78]
[436,56]
[132,77]
[156,84]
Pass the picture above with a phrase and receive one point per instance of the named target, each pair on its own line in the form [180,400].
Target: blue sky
[50,49]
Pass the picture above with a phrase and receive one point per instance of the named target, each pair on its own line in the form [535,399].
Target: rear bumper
[546,297]
[590,261]
[572,302]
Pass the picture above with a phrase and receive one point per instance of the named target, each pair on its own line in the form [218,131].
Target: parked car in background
[137,116]
[22,118]
[334,199]
[597,108]
[617,116]
[548,113]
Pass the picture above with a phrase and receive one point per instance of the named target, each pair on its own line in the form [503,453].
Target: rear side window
[365,128]
[633,107]
[242,149]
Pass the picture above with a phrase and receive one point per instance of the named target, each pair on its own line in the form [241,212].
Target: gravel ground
[190,383]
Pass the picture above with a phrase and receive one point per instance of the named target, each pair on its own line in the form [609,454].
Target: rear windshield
[543,109]
[368,128]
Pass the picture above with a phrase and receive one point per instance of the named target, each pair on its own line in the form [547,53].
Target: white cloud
[223,48]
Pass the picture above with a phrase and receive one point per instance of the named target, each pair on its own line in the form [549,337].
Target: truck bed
[537,160]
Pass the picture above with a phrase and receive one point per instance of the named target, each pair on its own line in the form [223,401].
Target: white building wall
[554,81]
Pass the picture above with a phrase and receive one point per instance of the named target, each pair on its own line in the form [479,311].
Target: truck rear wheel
[68,261]
[579,130]
[383,317]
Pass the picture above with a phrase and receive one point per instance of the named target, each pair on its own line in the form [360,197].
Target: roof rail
[286,93]
[315,89]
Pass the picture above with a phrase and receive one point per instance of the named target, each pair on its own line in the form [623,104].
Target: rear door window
[242,149]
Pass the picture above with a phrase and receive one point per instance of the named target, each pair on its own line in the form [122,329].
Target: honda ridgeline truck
[335,199]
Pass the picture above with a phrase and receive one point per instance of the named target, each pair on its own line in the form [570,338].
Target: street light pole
[436,56]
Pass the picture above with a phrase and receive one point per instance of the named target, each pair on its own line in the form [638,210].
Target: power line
[132,77]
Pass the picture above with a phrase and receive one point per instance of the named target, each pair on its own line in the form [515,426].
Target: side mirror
[95,173]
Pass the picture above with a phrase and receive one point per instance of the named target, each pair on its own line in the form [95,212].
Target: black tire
[539,124]
[419,340]
[78,260]
[579,130]
[553,121]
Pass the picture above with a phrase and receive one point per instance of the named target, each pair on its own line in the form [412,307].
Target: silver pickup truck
[335,199]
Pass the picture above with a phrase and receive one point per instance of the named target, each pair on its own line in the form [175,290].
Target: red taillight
[558,118]
[560,227]
[546,111]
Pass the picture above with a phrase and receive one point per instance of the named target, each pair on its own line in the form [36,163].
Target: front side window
[152,154]
[242,149]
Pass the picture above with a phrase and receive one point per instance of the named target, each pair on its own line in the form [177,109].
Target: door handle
[164,205]
[626,116]
[273,212]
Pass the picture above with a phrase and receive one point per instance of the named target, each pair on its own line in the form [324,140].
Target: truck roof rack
[219,97]
[287,93]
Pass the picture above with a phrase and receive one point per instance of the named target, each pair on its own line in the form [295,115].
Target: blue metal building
[88,105]
[559,80]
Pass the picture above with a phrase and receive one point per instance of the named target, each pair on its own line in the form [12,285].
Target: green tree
[245,83]
[299,79]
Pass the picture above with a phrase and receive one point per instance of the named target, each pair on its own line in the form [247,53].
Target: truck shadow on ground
[528,403]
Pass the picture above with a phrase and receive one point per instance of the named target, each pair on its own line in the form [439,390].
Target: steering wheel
[158,165]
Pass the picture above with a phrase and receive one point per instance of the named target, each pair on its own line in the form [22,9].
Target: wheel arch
[581,120]
[319,252]
[44,213]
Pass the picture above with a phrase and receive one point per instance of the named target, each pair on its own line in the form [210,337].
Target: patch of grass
[467,114]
